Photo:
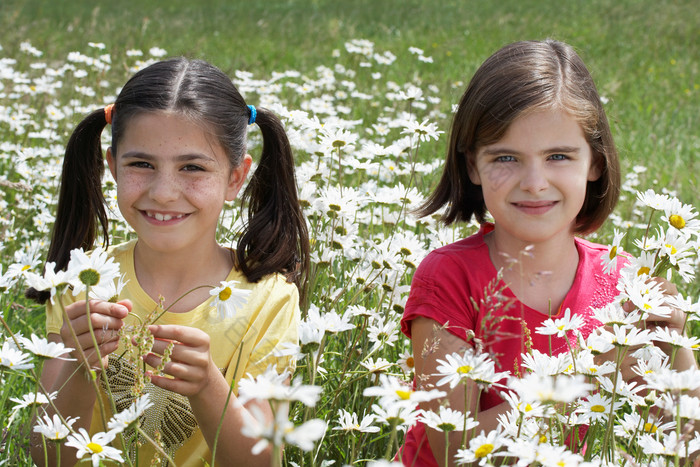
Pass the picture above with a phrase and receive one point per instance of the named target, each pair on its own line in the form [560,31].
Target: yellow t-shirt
[242,344]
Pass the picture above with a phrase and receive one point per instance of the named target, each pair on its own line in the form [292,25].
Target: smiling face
[172,181]
[534,178]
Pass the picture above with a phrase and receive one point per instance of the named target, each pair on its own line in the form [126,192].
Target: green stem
[228,398]
[392,440]
[447,446]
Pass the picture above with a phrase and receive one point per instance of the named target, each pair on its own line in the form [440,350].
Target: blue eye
[504,159]
[558,157]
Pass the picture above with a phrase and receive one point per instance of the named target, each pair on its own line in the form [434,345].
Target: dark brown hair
[275,238]
[521,77]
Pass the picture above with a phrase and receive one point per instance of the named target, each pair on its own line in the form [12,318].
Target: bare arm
[76,396]
[430,343]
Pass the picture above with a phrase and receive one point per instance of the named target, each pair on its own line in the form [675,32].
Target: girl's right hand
[106,317]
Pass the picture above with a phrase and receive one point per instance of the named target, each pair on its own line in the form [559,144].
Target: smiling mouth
[535,204]
[163,217]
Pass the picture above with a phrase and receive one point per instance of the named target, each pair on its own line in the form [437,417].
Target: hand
[190,365]
[106,318]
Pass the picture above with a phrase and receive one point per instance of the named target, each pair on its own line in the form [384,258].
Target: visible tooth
[167,217]
[159,216]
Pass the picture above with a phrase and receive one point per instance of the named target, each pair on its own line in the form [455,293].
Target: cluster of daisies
[368,150]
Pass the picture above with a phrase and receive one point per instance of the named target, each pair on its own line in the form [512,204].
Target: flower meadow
[368,151]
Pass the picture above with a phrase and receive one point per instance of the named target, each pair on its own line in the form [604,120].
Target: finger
[79,308]
[192,337]
[195,357]
[172,384]
[86,343]
[628,306]
[667,287]
[177,370]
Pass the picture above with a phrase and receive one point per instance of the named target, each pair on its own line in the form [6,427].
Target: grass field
[644,56]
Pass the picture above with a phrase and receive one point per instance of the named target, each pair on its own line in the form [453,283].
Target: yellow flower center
[26,267]
[464,369]
[403,394]
[543,439]
[225,294]
[650,427]
[613,252]
[528,407]
[410,363]
[483,451]
[676,221]
[647,306]
[94,447]
[673,248]
[643,270]
[598,408]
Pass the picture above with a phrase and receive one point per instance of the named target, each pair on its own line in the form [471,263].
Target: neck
[172,274]
[539,275]
[553,255]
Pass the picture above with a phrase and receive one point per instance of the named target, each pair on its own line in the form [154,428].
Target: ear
[111,163]
[595,170]
[238,177]
[473,171]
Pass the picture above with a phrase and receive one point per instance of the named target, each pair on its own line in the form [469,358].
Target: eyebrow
[179,158]
[492,151]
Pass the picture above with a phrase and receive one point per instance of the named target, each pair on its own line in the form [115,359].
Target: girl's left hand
[190,362]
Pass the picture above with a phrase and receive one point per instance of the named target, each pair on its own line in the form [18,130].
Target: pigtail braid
[81,203]
[276,237]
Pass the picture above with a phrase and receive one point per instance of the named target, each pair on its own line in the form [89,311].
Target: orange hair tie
[108,113]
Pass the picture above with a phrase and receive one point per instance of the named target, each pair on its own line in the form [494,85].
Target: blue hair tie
[253,114]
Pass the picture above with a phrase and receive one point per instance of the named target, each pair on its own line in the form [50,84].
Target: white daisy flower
[228,299]
[402,416]
[609,259]
[447,420]
[482,448]
[29,400]
[272,386]
[123,419]
[348,422]
[13,358]
[596,408]
[41,347]
[394,390]
[674,381]
[97,446]
[550,389]
[376,366]
[96,270]
[560,326]
[53,428]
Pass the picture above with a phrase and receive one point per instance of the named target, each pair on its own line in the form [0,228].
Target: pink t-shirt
[448,282]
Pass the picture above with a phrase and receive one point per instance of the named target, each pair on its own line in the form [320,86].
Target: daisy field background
[366,91]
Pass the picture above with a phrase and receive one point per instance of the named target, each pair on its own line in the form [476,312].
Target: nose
[534,178]
[164,188]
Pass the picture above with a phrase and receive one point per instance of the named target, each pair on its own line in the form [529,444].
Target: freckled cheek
[205,190]
[493,177]
[130,189]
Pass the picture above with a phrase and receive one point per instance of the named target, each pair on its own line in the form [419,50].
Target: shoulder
[588,247]
[591,257]
[458,256]
[271,291]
